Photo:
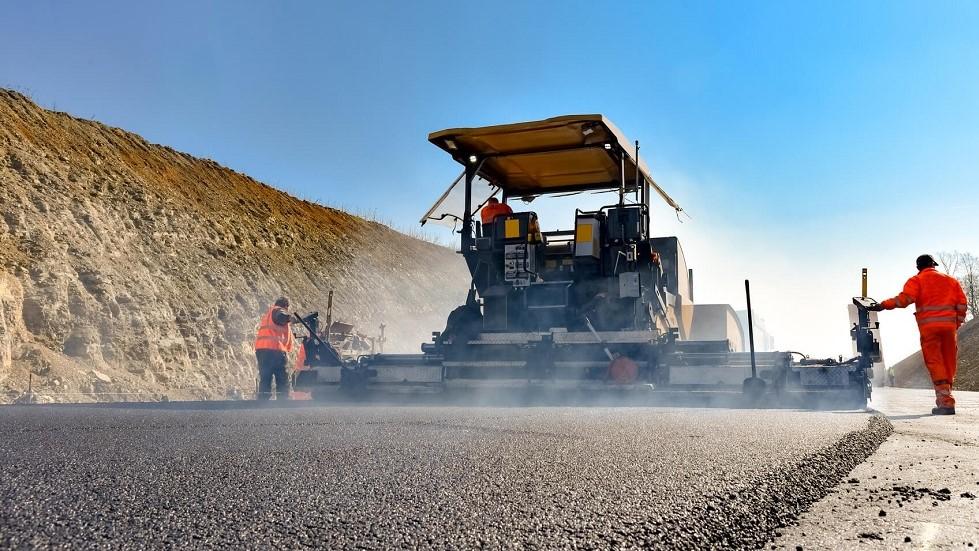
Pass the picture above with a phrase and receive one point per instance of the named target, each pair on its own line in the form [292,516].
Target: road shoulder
[919,490]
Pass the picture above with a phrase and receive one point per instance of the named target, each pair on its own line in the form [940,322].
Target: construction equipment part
[601,306]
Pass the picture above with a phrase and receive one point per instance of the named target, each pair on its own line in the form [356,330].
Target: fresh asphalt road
[396,477]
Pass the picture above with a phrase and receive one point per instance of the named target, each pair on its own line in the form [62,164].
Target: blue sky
[806,140]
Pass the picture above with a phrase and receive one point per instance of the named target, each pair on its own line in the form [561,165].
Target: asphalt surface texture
[417,477]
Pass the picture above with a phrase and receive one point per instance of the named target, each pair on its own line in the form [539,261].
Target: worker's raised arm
[906,297]
[282,317]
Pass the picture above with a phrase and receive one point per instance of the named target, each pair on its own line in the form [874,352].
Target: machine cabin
[605,270]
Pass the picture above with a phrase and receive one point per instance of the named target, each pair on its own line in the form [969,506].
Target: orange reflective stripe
[272,338]
[943,319]
[962,307]
[936,308]
[272,329]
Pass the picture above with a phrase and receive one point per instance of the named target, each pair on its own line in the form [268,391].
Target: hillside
[911,372]
[128,267]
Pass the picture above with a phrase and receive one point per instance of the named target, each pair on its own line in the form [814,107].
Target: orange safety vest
[272,336]
[491,210]
[938,299]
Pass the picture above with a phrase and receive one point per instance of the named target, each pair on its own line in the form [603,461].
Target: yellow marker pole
[863,287]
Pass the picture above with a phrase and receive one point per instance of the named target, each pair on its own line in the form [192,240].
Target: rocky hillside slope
[910,372]
[128,267]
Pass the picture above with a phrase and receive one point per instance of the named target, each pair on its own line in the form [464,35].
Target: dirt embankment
[130,267]
[911,372]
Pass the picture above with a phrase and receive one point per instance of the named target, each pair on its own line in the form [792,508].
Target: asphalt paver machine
[602,306]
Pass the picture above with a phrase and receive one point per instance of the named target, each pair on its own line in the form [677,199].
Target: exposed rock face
[11,324]
[152,267]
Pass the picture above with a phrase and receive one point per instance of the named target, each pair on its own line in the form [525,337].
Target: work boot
[943,411]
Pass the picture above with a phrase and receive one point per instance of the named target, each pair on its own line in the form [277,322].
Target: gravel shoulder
[441,477]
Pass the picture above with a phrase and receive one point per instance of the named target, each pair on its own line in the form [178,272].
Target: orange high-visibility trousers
[940,348]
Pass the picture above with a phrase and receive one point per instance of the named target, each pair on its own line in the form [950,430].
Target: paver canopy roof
[559,154]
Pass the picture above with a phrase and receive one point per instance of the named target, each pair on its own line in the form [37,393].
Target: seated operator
[492,209]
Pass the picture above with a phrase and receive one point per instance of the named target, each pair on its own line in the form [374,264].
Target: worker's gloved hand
[875,308]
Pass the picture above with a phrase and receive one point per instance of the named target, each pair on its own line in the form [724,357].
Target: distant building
[764,341]
[712,322]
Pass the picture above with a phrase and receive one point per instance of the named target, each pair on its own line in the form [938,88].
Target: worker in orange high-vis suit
[940,309]
[492,209]
[273,342]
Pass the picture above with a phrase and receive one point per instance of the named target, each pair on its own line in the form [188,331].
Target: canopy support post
[467,216]
[638,190]
[642,191]
[621,177]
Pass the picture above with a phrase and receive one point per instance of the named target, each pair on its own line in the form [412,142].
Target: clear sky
[806,140]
